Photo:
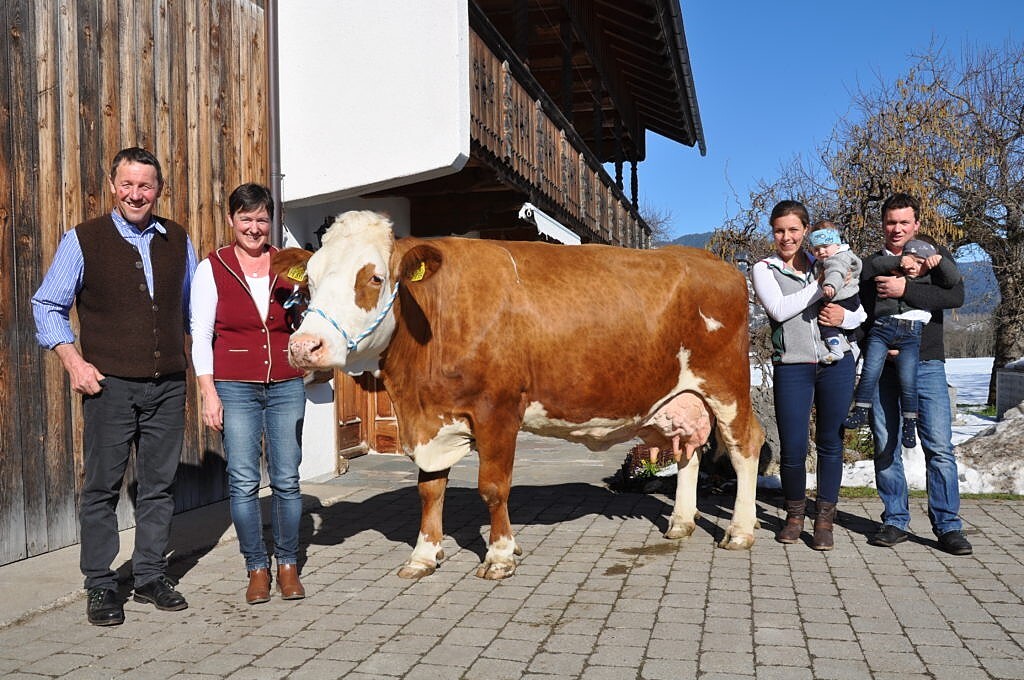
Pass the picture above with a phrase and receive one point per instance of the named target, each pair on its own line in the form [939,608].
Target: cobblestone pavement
[598,594]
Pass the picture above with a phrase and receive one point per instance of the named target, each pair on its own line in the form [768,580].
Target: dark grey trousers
[151,413]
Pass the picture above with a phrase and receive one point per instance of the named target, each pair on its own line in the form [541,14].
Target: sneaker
[888,536]
[909,433]
[955,543]
[858,418]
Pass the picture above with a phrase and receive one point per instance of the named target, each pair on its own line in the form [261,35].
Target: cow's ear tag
[297,273]
[419,272]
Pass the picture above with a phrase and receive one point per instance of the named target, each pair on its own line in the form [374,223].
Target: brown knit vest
[124,332]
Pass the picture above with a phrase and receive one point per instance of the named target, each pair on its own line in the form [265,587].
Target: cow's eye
[377,279]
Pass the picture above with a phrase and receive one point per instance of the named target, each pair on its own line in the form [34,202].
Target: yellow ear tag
[420,272]
[297,273]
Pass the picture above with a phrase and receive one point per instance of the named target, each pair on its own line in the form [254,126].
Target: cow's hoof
[680,530]
[413,570]
[737,541]
[495,571]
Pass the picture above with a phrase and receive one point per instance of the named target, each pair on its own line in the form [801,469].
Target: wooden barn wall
[80,79]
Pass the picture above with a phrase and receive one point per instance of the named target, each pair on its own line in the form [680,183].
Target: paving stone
[222,663]
[726,662]
[318,669]
[783,673]
[495,669]
[662,669]
[687,650]
[576,644]
[1004,669]
[560,664]
[57,664]
[616,655]
[895,662]
[284,657]
[452,655]
[387,664]
[959,673]
[839,669]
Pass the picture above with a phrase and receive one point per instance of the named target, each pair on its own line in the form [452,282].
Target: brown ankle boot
[823,525]
[259,586]
[288,582]
[794,522]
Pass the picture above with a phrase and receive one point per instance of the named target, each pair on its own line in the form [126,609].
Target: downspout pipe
[274,119]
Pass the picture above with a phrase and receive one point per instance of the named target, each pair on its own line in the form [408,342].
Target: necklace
[253,267]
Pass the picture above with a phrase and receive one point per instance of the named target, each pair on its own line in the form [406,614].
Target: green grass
[983,412]
[868,492]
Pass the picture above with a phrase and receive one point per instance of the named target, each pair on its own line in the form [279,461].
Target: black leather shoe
[955,543]
[160,592]
[104,608]
[888,536]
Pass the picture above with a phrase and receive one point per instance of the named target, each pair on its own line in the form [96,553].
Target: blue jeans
[885,334]
[934,426]
[829,388]
[254,412]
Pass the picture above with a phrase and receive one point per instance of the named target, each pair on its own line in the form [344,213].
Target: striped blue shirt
[51,305]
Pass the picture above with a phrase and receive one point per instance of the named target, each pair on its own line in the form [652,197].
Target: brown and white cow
[477,339]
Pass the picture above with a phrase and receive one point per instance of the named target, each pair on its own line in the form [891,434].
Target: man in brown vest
[129,275]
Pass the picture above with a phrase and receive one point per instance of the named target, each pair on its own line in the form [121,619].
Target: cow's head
[349,321]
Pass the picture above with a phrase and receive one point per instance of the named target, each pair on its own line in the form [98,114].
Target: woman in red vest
[240,331]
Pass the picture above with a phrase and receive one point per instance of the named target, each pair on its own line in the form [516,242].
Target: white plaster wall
[318,434]
[373,94]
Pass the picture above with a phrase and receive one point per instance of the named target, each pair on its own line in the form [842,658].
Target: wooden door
[366,417]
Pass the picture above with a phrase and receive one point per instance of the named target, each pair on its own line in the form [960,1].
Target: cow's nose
[303,349]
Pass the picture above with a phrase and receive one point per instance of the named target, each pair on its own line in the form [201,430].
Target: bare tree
[952,132]
[659,220]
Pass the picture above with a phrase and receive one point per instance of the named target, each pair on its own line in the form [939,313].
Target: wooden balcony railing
[511,124]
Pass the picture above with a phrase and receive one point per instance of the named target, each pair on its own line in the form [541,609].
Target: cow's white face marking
[358,241]
[596,434]
[710,323]
[451,443]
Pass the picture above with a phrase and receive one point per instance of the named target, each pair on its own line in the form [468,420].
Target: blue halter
[352,343]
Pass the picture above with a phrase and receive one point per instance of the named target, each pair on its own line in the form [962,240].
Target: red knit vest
[247,348]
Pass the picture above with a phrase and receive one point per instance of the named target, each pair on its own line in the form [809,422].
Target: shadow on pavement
[395,514]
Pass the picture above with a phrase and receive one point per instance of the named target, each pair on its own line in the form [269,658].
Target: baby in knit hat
[839,271]
[897,326]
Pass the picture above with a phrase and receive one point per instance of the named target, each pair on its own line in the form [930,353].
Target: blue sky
[772,79]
